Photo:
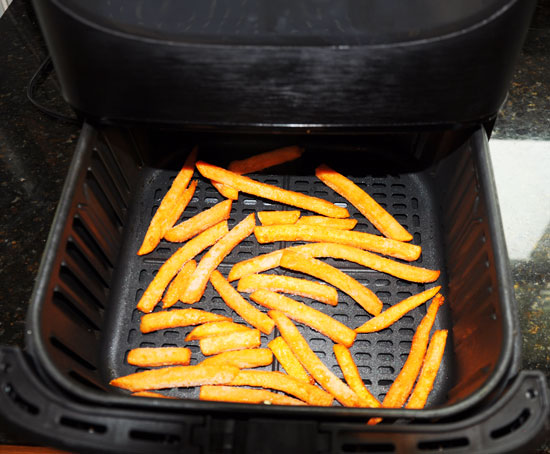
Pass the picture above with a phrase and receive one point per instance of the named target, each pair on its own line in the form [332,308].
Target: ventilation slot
[83,232]
[71,354]
[368,447]
[79,289]
[512,426]
[106,178]
[155,437]
[84,381]
[73,312]
[103,200]
[84,263]
[22,403]
[84,426]
[441,445]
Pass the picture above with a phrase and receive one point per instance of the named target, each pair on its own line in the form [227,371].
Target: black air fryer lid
[316,63]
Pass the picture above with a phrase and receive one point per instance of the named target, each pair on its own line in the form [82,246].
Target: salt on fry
[256,264]
[161,356]
[278,217]
[245,396]
[179,284]
[214,329]
[177,318]
[243,359]
[238,340]
[288,360]
[323,221]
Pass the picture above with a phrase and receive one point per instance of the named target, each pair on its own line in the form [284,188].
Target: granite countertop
[35,152]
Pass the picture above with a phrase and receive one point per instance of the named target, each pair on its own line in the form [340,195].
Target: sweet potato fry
[171,206]
[227,191]
[432,362]
[353,378]
[270,192]
[162,356]
[368,207]
[235,301]
[312,363]
[302,313]
[403,384]
[177,377]
[278,217]
[199,223]
[238,340]
[245,396]
[152,394]
[397,311]
[214,257]
[170,268]
[291,285]
[177,318]
[265,160]
[179,284]
[243,359]
[362,240]
[365,297]
[282,382]
[255,265]
[290,363]
[214,329]
[323,221]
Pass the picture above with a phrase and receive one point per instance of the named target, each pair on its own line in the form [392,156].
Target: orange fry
[255,265]
[177,318]
[162,356]
[243,359]
[245,396]
[291,285]
[368,207]
[238,340]
[177,377]
[312,363]
[265,160]
[278,217]
[235,301]
[152,394]
[302,313]
[215,256]
[323,221]
[199,223]
[170,268]
[426,379]
[179,284]
[271,192]
[227,191]
[290,363]
[353,378]
[365,297]
[214,329]
[397,311]
[171,206]
[282,382]
[362,240]
[403,384]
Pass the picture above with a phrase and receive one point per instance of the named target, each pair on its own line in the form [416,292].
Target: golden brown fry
[394,313]
[288,360]
[233,341]
[214,257]
[177,377]
[177,318]
[368,207]
[323,221]
[179,284]
[362,240]
[214,329]
[152,394]
[162,356]
[302,313]
[432,362]
[255,265]
[242,307]
[271,192]
[243,359]
[170,268]
[245,396]
[227,191]
[199,223]
[312,363]
[365,297]
[265,160]
[278,217]
[291,285]
[171,206]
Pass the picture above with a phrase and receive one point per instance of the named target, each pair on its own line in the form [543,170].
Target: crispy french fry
[177,318]
[179,284]
[291,285]
[227,191]
[170,268]
[162,356]
[238,340]
[177,377]
[290,363]
[242,307]
[265,160]
[214,257]
[365,297]
[403,384]
[199,223]
[368,207]
[278,217]
[243,359]
[353,378]
[171,206]
[302,313]
[271,192]
[282,382]
[323,221]
[245,396]
[430,367]
[152,394]
[394,313]
[256,264]
[214,329]
[312,363]
[362,240]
